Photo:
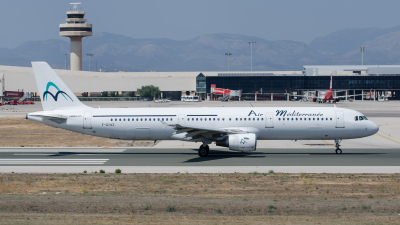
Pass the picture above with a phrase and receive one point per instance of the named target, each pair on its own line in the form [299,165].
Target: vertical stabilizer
[330,86]
[53,91]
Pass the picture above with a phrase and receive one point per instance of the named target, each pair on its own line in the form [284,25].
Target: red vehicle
[16,102]
[1,103]
[30,102]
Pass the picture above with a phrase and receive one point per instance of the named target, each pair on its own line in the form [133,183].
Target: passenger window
[162,119]
[170,119]
[145,119]
[240,119]
[262,118]
[201,119]
[214,119]
[292,118]
[188,119]
[254,119]
[229,119]
[124,119]
[313,118]
[279,118]
[209,119]
[317,118]
[244,119]
[309,118]
[120,119]
[141,119]
[137,119]
[111,119]
[223,119]
[331,118]
[218,119]
[129,119]
[258,119]
[297,119]
[283,119]
[236,119]
[197,119]
[322,118]
[192,119]
[356,118]
[301,118]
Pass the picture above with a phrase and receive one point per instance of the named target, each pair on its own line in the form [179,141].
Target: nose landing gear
[338,150]
[203,150]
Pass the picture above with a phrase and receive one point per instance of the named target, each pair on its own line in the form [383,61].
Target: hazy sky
[299,20]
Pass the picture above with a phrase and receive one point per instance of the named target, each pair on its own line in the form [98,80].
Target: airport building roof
[87,81]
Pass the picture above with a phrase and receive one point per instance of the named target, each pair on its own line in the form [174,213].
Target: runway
[160,160]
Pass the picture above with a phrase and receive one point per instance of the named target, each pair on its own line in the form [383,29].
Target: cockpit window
[359,118]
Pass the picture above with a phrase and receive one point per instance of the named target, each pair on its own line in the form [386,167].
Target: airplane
[238,128]
[327,96]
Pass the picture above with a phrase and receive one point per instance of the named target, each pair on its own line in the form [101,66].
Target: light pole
[228,54]
[90,56]
[65,61]
[362,49]
[251,58]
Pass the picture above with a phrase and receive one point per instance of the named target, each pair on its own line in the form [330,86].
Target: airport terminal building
[267,85]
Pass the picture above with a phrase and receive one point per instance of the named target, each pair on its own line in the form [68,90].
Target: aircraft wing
[193,133]
[344,96]
[190,129]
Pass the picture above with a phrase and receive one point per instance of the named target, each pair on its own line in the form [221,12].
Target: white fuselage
[268,123]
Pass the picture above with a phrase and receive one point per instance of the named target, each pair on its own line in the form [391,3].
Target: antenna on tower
[75,7]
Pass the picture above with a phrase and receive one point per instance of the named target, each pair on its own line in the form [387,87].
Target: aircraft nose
[373,128]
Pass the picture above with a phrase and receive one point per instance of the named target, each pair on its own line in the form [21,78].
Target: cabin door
[87,120]
[181,119]
[269,120]
[339,119]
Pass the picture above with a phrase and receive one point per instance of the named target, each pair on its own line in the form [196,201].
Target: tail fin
[330,86]
[53,91]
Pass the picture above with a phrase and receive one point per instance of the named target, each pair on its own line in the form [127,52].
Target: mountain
[207,53]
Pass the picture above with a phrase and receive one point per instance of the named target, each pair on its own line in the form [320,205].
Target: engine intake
[239,142]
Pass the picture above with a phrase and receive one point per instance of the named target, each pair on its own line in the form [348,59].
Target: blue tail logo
[243,141]
[55,97]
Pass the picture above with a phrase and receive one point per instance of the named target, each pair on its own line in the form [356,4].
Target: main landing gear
[203,150]
[338,150]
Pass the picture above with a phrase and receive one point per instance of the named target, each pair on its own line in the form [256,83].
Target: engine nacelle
[239,142]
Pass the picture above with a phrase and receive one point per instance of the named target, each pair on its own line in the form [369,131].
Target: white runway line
[57,159]
[53,161]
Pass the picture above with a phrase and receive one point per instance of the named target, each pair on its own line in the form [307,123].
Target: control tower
[76,29]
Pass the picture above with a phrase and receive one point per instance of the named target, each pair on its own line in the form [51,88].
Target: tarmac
[168,160]
[379,153]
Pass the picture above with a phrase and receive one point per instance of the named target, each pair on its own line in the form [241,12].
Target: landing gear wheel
[338,151]
[203,151]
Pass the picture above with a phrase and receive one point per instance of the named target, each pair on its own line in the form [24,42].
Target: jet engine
[239,142]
